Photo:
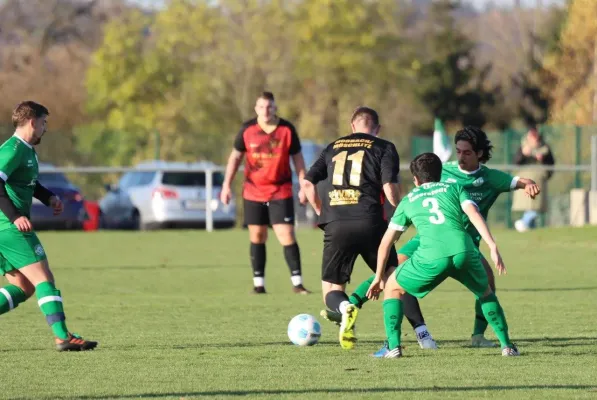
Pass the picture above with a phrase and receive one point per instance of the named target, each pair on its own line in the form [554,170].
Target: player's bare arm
[234,161]
[392,192]
[531,188]
[299,167]
[471,210]
[391,236]
[311,195]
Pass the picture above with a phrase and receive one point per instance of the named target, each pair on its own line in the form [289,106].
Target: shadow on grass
[527,342]
[571,289]
[558,289]
[151,267]
[281,392]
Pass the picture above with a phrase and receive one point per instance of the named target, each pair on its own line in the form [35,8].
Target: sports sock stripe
[48,299]
[11,304]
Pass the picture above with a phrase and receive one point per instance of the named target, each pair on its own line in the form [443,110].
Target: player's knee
[393,292]
[402,258]
[488,292]
[285,234]
[488,270]
[26,286]
[258,235]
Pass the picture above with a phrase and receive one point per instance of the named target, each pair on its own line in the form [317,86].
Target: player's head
[472,147]
[365,120]
[29,118]
[265,107]
[426,167]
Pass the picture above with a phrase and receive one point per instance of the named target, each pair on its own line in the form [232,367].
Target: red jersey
[267,163]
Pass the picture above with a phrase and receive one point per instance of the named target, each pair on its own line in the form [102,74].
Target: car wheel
[136,221]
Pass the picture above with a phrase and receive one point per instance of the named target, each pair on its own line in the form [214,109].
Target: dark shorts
[269,213]
[344,241]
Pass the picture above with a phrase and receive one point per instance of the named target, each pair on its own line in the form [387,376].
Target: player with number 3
[445,250]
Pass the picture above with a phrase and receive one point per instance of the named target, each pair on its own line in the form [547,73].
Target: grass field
[175,319]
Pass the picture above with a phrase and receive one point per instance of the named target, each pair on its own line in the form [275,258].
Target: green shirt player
[484,185]
[445,250]
[23,260]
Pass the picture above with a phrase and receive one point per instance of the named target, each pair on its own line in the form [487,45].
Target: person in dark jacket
[533,151]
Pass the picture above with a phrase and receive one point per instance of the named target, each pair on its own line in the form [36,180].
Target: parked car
[42,217]
[165,199]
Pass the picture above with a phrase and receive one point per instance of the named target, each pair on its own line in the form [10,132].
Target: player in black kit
[354,173]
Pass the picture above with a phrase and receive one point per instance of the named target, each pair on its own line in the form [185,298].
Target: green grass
[175,319]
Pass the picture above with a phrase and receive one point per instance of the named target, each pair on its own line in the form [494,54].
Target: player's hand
[302,197]
[496,257]
[56,205]
[532,190]
[23,224]
[526,150]
[375,289]
[225,195]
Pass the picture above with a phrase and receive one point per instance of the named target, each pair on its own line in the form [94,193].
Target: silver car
[165,199]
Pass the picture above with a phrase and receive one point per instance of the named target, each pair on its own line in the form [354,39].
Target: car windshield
[55,178]
[190,178]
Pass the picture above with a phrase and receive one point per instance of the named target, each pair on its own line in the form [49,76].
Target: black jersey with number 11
[351,172]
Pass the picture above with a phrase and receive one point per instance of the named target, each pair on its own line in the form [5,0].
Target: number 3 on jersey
[355,169]
[438,217]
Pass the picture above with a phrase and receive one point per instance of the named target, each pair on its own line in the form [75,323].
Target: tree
[572,67]
[351,53]
[44,52]
[449,82]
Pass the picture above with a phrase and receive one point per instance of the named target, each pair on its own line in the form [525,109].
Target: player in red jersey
[268,143]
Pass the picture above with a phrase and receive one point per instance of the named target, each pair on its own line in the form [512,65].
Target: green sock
[359,297]
[13,296]
[50,303]
[392,318]
[495,316]
[480,322]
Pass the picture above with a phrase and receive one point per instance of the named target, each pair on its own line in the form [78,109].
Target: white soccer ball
[304,330]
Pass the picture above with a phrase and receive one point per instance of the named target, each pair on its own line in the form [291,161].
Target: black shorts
[344,241]
[269,213]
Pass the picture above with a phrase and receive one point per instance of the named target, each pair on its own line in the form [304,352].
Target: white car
[165,198]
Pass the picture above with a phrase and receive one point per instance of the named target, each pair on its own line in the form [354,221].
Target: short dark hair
[478,140]
[26,111]
[266,96]
[427,167]
[368,114]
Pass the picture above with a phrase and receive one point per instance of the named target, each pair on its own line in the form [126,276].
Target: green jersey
[19,169]
[483,186]
[435,209]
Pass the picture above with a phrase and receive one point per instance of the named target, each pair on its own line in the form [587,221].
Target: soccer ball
[304,330]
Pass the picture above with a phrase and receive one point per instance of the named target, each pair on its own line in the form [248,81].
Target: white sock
[258,281]
[422,332]
[343,306]
[296,280]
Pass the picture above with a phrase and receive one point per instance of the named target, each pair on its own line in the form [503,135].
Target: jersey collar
[24,142]
[470,172]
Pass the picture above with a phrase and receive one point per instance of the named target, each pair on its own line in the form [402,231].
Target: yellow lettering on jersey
[261,156]
[347,143]
[343,197]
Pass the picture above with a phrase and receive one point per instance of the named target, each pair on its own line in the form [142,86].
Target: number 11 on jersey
[355,170]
